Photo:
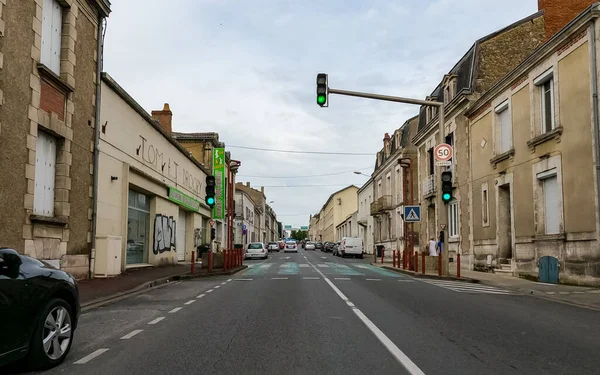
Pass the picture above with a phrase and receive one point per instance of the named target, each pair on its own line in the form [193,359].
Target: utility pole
[442,219]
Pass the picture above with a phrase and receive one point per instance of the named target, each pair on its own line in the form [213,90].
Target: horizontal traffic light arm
[397,99]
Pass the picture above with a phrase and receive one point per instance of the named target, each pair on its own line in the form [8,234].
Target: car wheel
[52,336]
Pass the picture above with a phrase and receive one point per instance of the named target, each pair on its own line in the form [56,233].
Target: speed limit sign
[443,152]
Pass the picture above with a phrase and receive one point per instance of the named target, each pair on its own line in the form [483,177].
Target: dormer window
[449,88]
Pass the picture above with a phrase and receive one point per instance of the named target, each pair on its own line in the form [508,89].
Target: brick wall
[558,13]
[52,100]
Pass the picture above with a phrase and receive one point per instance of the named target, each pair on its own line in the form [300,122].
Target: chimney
[262,190]
[164,117]
[247,184]
[386,144]
[558,13]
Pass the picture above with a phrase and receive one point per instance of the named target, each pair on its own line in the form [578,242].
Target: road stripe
[243,279]
[279,278]
[406,281]
[229,280]
[409,365]
[217,286]
[266,265]
[156,320]
[131,334]
[175,310]
[311,278]
[373,279]
[304,265]
[201,295]
[209,291]
[89,357]
[322,265]
[362,266]
[341,278]
[190,302]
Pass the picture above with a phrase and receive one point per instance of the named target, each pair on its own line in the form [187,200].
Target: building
[487,61]
[391,186]
[50,61]
[244,218]
[348,227]
[313,228]
[363,217]
[151,208]
[534,158]
[260,209]
[335,211]
[271,227]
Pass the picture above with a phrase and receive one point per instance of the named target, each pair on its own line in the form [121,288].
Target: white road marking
[341,278]
[304,265]
[323,257]
[461,287]
[209,291]
[406,281]
[349,304]
[131,334]
[402,358]
[201,295]
[89,357]
[373,279]
[175,310]
[362,266]
[311,278]
[217,286]
[190,302]
[322,265]
[279,278]
[156,320]
[229,280]
[266,265]
[243,279]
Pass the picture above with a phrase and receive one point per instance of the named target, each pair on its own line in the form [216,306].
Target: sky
[247,69]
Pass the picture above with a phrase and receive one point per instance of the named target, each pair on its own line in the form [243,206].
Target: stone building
[50,62]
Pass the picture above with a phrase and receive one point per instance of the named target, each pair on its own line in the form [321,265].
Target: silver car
[309,246]
[256,250]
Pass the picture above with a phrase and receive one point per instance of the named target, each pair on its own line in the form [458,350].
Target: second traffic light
[322,90]
[210,191]
[446,186]
[213,234]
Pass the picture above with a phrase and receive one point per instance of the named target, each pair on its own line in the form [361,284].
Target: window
[485,205]
[453,219]
[51,34]
[447,95]
[138,227]
[45,164]
[545,82]
[551,204]
[431,161]
[504,127]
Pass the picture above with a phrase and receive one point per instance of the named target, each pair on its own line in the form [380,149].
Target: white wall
[365,197]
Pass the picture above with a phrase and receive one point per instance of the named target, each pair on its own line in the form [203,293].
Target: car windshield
[255,246]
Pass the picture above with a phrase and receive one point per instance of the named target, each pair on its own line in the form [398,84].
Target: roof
[110,82]
[405,141]
[337,192]
[198,137]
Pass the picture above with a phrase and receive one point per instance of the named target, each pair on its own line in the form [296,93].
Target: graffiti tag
[164,233]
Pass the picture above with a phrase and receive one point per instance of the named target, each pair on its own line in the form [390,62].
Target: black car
[39,310]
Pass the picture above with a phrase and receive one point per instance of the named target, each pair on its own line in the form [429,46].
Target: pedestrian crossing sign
[412,214]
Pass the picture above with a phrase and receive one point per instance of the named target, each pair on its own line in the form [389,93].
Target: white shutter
[47,16]
[50,175]
[505,131]
[551,205]
[180,236]
[45,159]
[57,16]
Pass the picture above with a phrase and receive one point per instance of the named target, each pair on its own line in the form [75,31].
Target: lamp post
[407,167]
[360,173]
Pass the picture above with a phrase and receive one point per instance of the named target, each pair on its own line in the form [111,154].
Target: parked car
[353,246]
[328,247]
[273,246]
[309,246]
[256,250]
[291,246]
[319,246]
[39,310]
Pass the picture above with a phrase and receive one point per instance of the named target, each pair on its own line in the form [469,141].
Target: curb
[429,276]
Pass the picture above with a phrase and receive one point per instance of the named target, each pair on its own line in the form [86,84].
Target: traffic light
[322,89]
[210,191]
[213,234]
[446,186]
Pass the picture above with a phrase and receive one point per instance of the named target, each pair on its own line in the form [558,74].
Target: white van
[353,246]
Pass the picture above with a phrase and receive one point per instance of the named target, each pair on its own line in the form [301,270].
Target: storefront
[151,209]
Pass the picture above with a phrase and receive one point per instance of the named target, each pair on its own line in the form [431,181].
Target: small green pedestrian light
[210,201]
[322,89]
[446,186]
[321,99]
[446,197]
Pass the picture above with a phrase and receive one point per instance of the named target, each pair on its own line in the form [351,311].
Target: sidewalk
[575,295]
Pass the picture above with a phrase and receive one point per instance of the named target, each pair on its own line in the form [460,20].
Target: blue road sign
[412,214]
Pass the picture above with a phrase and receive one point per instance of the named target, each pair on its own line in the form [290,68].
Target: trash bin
[380,250]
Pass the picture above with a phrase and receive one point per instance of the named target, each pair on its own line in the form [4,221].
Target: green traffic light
[321,99]
[446,197]
[211,200]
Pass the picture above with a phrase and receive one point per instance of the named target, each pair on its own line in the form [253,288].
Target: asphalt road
[312,313]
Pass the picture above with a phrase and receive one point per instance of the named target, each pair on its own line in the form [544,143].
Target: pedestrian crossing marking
[265,265]
[322,265]
[461,287]
[304,265]
[362,266]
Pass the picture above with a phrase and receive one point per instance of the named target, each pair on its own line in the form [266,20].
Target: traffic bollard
[423,264]
[394,258]
[210,261]
[224,260]
[193,262]
[404,260]
[382,252]
[457,265]
[416,262]
[440,264]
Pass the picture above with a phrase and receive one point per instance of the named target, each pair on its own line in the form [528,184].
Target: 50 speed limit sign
[443,152]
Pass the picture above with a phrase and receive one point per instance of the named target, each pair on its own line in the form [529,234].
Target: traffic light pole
[443,208]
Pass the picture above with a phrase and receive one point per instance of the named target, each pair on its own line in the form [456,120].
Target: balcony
[383,203]
[428,184]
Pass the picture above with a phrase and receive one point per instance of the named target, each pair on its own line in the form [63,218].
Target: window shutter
[56,36]
[50,176]
[40,170]
[551,205]
[505,131]
[47,17]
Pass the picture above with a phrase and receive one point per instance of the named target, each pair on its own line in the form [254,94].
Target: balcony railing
[428,185]
[383,203]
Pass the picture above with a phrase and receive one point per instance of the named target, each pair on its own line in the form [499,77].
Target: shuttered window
[45,164]
[551,205]
[453,219]
[52,15]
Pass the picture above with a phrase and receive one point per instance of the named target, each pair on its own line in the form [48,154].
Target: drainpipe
[100,54]
[595,110]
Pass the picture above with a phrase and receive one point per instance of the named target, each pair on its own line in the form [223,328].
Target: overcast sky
[246,69]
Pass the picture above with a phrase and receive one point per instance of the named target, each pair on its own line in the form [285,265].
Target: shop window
[138,227]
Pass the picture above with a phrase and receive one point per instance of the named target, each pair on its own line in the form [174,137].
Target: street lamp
[362,174]
[407,167]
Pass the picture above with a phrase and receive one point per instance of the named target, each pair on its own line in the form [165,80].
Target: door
[548,270]
[180,239]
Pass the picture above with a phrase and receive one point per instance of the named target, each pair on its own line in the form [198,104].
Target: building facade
[151,208]
[50,61]
[335,211]
[260,211]
[534,159]
[348,227]
[244,218]
[363,217]
[490,58]
[390,186]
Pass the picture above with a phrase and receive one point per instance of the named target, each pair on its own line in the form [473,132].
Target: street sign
[443,152]
[219,173]
[303,228]
[442,226]
[443,163]
[212,224]
[412,214]
[287,227]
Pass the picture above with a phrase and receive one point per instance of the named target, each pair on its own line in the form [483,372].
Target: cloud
[246,69]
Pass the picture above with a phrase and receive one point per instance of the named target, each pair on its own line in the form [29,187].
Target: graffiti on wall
[197,237]
[164,233]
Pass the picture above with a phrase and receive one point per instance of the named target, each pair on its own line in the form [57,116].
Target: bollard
[192,270]
[457,265]
[416,262]
[394,258]
[423,264]
[224,260]
[382,252]
[210,261]
[440,264]
[404,260]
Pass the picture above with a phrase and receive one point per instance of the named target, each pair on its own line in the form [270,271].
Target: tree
[299,235]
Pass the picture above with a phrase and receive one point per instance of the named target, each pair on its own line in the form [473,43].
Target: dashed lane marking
[175,310]
[201,295]
[243,279]
[373,279]
[341,278]
[311,278]
[91,356]
[279,278]
[131,334]
[190,302]
[156,320]
[209,291]
[217,286]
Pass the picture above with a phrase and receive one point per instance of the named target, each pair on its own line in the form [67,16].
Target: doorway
[180,239]
[431,228]
[505,243]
